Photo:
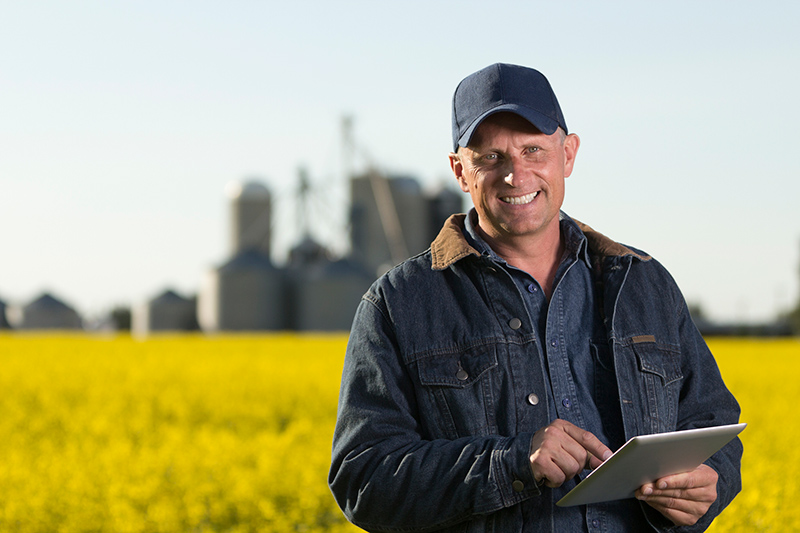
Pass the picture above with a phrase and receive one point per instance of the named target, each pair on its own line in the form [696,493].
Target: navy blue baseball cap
[504,87]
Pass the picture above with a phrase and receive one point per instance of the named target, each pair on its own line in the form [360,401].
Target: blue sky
[122,122]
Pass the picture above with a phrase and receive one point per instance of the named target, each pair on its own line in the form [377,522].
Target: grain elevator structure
[390,219]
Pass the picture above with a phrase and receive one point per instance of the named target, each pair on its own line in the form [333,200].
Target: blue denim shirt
[569,329]
[437,411]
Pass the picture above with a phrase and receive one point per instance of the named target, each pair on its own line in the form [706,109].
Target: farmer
[485,377]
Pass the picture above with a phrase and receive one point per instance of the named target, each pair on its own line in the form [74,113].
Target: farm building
[3,320]
[167,312]
[48,312]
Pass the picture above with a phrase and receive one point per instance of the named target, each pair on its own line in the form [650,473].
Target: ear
[458,170]
[571,145]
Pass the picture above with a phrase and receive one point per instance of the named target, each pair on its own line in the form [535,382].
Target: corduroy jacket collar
[451,245]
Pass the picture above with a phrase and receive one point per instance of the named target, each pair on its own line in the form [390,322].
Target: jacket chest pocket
[456,392]
[661,378]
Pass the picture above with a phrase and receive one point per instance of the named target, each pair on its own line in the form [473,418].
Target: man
[485,377]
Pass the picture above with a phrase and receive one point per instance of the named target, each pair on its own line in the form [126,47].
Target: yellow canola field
[232,433]
[178,434]
[764,375]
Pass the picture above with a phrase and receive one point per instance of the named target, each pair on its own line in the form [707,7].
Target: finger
[682,506]
[561,450]
[557,458]
[678,517]
[548,472]
[651,494]
[702,476]
[598,451]
[703,495]
[680,510]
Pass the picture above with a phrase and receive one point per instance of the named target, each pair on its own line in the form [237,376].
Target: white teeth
[520,200]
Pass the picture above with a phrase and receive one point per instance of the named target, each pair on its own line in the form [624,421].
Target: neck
[539,255]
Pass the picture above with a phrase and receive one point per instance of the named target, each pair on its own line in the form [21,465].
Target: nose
[517,173]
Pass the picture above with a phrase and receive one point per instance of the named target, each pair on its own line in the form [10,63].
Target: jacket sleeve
[384,475]
[705,401]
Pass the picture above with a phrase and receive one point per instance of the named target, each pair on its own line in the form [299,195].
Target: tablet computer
[646,458]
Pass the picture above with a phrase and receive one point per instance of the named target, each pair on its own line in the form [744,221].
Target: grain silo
[250,217]
[244,294]
[390,220]
[327,295]
[247,292]
[48,312]
[169,311]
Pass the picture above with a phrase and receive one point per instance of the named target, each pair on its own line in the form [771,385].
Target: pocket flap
[656,360]
[457,369]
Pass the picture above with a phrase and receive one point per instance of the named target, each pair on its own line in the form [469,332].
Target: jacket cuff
[512,470]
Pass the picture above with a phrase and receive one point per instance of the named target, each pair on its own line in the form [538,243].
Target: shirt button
[554,343]
[532,288]
[515,323]
[518,485]
[595,523]
[533,399]
[566,403]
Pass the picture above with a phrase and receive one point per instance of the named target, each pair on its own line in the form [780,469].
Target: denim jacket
[435,413]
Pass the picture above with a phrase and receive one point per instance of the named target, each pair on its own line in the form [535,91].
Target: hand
[561,450]
[683,498]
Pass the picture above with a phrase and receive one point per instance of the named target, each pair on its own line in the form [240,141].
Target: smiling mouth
[520,200]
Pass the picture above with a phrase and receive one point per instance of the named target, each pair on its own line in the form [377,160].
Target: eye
[532,149]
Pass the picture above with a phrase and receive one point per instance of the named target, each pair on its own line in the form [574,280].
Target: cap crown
[503,87]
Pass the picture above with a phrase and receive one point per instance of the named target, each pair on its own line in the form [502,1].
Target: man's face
[515,176]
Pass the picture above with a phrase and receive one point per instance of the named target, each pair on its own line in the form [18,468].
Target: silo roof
[169,296]
[47,301]
[248,189]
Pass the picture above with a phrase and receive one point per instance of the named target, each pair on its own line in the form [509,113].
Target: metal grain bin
[244,294]
[326,296]
[167,312]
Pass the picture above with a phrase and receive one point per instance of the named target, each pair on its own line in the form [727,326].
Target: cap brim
[541,122]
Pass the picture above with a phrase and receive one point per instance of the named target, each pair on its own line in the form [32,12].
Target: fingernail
[607,454]
[648,491]
[662,485]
